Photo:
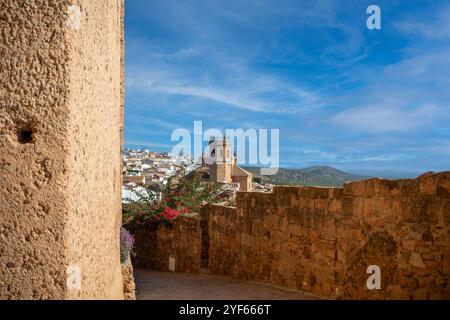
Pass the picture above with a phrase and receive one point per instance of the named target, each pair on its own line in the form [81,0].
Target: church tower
[221,160]
[222,165]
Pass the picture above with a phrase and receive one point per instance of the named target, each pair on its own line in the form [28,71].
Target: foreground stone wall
[322,240]
[155,244]
[61,89]
[94,137]
[129,286]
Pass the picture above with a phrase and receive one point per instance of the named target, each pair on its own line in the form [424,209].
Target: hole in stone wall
[25,136]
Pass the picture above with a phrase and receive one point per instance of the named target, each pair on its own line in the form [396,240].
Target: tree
[180,196]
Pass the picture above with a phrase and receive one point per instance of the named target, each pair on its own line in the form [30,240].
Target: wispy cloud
[152,122]
[435,26]
[258,93]
[214,94]
[386,118]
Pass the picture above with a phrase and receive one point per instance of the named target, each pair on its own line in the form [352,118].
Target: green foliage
[192,194]
[258,180]
[170,202]
[123,253]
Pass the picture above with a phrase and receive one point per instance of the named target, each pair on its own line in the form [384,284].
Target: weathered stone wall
[95,64]
[61,89]
[129,286]
[154,245]
[204,226]
[322,240]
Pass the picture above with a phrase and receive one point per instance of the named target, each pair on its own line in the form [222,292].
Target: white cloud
[214,94]
[249,91]
[386,118]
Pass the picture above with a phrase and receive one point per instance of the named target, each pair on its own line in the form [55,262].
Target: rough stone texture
[154,245]
[95,142]
[204,225]
[61,89]
[322,240]
[129,286]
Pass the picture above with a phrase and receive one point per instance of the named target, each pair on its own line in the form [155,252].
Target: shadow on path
[154,285]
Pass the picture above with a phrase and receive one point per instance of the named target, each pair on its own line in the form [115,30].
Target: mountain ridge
[325,176]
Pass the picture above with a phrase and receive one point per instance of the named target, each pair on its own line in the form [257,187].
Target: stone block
[303,192]
[323,193]
[347,189]
[409,244]
[336,193]
[295,216]
[361,208]
[335,206]
[420,294]
[347,206]
[396,292]
[281,211]
[409,188]
[253,202]
[446,262]
[416,260]
[359,188]
[370,187]
[246,240]
[295,201]
[427,185]
[443,185]
[436,296]
[387,188]
[296,230]
[320,204]
[313,192]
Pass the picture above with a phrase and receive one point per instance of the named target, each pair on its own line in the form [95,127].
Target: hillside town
[143,167]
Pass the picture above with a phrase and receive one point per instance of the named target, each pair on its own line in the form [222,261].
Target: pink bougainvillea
[170,213]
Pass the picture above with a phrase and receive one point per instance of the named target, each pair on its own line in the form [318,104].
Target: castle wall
[319,240]
[155,244]
[322,240]
[61,88]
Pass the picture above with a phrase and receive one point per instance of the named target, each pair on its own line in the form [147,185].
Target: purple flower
[126,243]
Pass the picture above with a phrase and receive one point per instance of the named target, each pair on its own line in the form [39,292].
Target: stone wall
[61,89]
[204,226]
[322,240]
[129,286]
[155,244]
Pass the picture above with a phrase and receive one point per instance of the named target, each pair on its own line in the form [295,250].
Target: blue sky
[367,101]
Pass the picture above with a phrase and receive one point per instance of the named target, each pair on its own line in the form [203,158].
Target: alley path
[152,285]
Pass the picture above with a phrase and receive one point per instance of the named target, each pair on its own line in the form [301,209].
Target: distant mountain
[312,176]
